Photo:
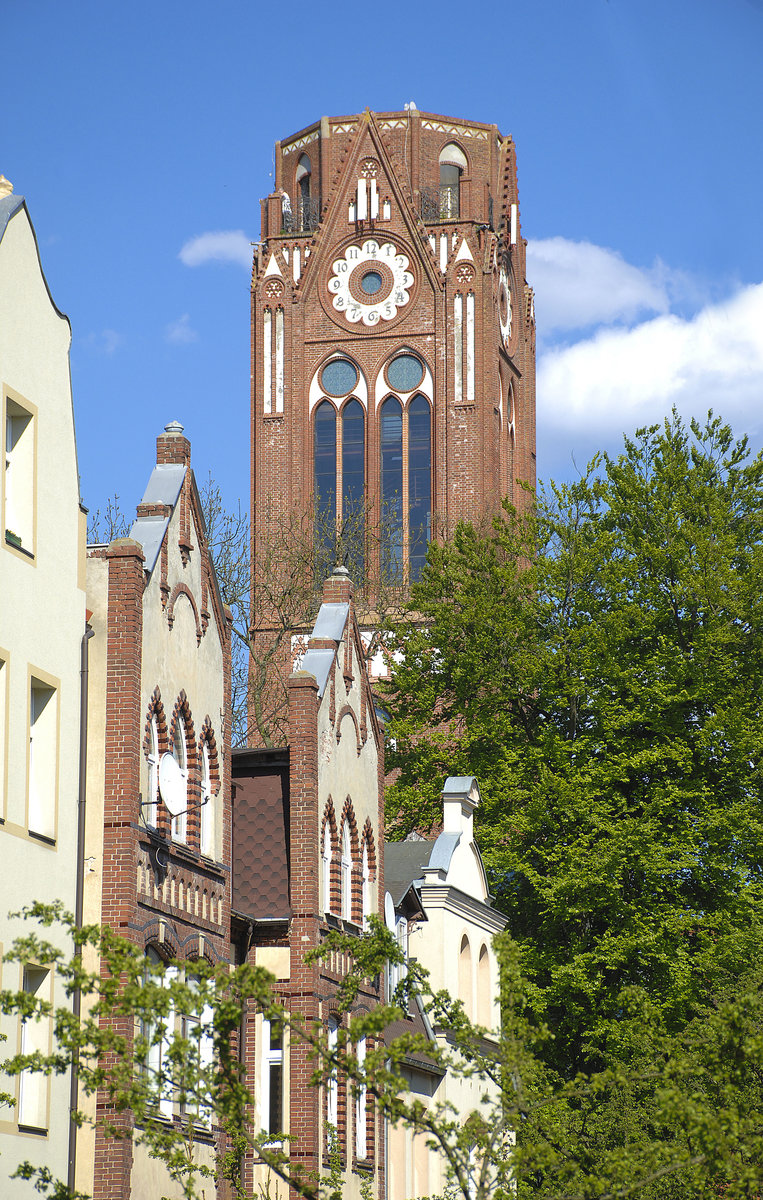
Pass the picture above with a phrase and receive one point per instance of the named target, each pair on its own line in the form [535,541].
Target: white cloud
[224,245]
[180,332]
[105,342]
[578,284]
[619,379]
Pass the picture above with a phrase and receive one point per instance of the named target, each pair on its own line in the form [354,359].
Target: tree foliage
[599,667]
[703,1086]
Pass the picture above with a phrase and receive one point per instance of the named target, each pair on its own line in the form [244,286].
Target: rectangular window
[19,482]
[271,1103]
[35,1036]
[3,734]
[43,759]
[361,1125]
[332,1085]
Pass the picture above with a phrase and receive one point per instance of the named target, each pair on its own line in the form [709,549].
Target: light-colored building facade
[445,920]
[308,858]
[159,688]
[42,625]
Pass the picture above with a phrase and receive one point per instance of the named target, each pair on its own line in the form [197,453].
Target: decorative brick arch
[182,589]
[345,711]
[182,709]
[329,818]
[155,711]
[367,839]
[208,735]
[348,815]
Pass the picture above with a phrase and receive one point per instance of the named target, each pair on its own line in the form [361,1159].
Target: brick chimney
[338,588]
[172,447]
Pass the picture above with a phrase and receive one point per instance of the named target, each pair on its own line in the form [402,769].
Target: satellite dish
[389,912]
[172,788]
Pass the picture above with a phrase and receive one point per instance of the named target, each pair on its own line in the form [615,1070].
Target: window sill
[13,544]
[35,1130]
[42,837]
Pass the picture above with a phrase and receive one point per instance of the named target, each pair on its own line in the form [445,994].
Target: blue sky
[134,130]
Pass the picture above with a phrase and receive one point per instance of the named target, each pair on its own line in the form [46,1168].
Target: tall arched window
[332,1082]
[207,815]
[452,167]
[150,808]
[419,484]
[353,420]
[346,872]
[303,180]
[484,994]
[465,975]
[325,476]
[326,867]
[365,888]
[392,488]
[179,749]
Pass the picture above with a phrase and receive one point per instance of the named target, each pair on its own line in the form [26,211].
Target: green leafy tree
[700,1085]
[599,667]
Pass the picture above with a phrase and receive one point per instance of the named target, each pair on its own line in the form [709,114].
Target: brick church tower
[393,333]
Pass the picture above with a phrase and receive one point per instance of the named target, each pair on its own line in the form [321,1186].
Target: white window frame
[272,1056]
[332,1082]
[206,812]
[180,822]
[361,1115]
[326,868]
[19,474]
[346,872]
[365,888]
[151,806]
[32,1111]
[43,758]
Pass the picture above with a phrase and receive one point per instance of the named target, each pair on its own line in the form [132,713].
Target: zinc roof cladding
[9,205]
[163,487]
[150,531]
[319,664]
[459,785]
[442,851]
[331,621]
[164,484]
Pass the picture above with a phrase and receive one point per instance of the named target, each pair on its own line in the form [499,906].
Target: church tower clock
[393,333]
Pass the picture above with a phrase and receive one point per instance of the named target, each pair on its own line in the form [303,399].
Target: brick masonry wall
[476,459]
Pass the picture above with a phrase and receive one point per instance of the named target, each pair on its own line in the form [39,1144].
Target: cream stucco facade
[42,623]
[455,944]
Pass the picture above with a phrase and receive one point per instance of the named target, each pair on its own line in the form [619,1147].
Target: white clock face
[504,308]
[370,283]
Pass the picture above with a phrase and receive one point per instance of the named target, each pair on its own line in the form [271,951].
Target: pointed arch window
[406,486]
[346,872]
[326,868]
[150,808]
[365,887]
[392,488]
[207,812]
[180,751]
[340,452]
[419,483]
